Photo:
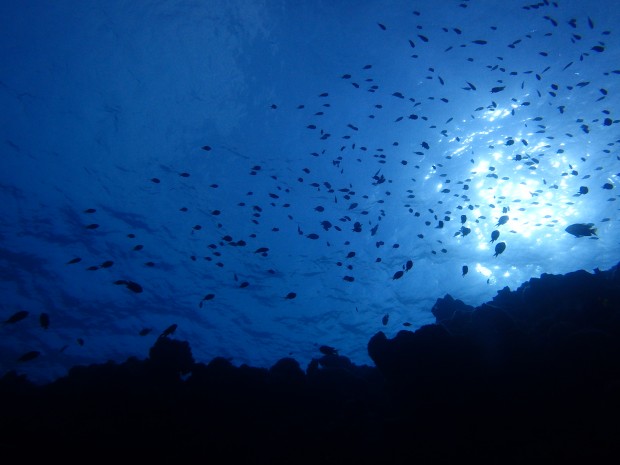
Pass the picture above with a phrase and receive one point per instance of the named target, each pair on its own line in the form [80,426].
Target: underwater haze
[263,178]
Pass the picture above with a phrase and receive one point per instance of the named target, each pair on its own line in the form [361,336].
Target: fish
[398,274]
[494,236]
[328,350]
[207,297]
[465,270]
[502,220]
[169,330]
[408,265]
[17,316]
[385,319]
[581,229]
[29,356]
[145,331]
[44,320]
[290,295]
[74,260]
[132,286]
[499,248]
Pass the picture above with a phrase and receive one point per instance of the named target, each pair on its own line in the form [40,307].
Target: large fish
[581,229]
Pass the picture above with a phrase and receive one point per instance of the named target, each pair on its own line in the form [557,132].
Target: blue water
[102,98]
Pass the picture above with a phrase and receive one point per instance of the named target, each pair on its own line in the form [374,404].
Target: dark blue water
[264,170]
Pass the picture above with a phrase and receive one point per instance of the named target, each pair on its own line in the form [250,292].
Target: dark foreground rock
[532,376]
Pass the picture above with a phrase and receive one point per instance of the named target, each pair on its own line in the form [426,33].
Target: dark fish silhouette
[398,274]
[290,295]
[494,236]
[581,229]
[29,356]
[499,248]
[145,331]
[17,316]
[465,270]
[502,220]
[44,320]
[328,350]
[169,330]
[74,260]
[385,319]
[132,286]
[206,297]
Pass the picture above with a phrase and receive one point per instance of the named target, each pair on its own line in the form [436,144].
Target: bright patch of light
[484,271]
[497,114]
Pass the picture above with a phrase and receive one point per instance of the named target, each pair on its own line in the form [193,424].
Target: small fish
[502,220]
[499,248]
[74,260]
[107,264]
[290,295]
[92,226]
[398,274]
[135,287]
[581,229]
[495,90]
[385,319]
[29,356]
[406,323]
[44,320]
[328,350]
[244,284]
[465,270]
[312,236]
[206,297]
[494,236]
[17,316]
[145,331]
[381,26]
[408,265]
[169,330]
